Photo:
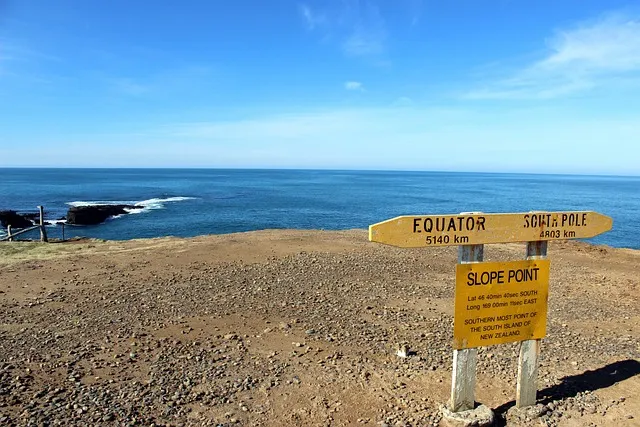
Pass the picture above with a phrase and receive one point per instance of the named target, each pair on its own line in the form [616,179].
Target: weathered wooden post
[463,380]
[62,223]
[43,231]
[526,390]
[9,233]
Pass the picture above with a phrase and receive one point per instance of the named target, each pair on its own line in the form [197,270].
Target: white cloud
[363,43]
[589,56]
[524,140]
[312,18]
[180,80]
[355,86]
[612,44]
[369,34]
[283,126]
[356,26]
[542,139]
[415,10]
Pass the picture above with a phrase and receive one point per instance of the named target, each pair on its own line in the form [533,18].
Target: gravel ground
[294,328]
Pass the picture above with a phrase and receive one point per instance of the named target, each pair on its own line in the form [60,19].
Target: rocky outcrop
[15,220]
[96,214]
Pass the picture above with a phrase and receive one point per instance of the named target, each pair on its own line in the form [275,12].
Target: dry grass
[11,252]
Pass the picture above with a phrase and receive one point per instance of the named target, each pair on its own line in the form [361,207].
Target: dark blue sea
[191,202]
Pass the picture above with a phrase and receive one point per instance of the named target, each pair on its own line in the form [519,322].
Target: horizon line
[319,169]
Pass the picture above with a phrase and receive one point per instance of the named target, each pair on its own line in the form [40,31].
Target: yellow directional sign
[500,302]
[476,229]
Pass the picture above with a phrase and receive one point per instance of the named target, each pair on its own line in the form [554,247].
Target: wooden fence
[43,231]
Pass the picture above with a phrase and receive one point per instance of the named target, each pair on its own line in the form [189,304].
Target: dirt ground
[295,328]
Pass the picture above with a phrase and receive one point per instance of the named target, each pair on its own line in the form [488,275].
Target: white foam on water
[156,203]
[159,203]
[140,207]
[133,211]
[100,202]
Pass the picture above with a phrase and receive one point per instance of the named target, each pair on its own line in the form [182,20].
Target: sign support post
[527,389]
[463,380]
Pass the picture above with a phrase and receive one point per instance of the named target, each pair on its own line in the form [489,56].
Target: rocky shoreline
[76,215]
[97,214]
[17,220]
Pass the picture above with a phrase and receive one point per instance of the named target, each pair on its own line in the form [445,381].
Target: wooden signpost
[497,302]
[480,229]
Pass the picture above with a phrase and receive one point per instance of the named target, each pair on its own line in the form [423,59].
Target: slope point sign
[500,302]
[478,229]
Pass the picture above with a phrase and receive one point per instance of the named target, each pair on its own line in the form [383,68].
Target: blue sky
[502,85]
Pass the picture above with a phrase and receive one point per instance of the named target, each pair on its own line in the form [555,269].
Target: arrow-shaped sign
[477,229]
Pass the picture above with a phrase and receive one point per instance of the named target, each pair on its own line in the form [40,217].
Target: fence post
[43,231]
[527,389]
[463,380]
[9,233]
[62,223]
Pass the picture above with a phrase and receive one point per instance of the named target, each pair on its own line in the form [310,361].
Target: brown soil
[280,328]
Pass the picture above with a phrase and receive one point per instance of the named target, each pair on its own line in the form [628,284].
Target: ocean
[192,202]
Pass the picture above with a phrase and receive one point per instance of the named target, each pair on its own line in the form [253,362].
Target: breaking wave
[140,206]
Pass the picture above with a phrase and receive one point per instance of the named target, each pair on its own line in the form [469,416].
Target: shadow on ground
[587,381]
